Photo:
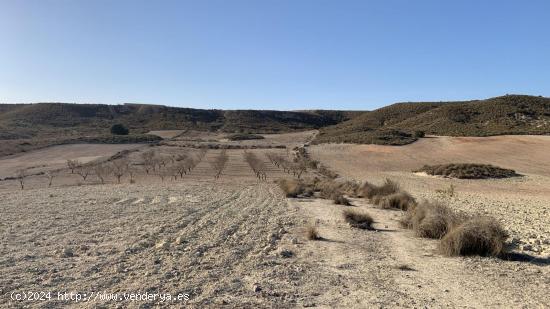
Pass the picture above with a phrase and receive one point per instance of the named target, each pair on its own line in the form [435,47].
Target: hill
[396,124]
[30,120]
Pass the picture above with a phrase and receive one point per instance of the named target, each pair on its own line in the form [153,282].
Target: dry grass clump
[431,220]
[401,200]
[370,190]
[340,199]
[291,187]
[312,233]
[478,236]
[467,171]
[388,195]
[357,219]
[350,188]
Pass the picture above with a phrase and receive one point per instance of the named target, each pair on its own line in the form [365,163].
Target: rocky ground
[521,204]
[237,242]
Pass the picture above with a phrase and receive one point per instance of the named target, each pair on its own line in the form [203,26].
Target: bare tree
[148,158]
[83,170]
[219,163]
[119,168]
[163,172]
[131,172]
[20,175]
[50,175]
[181,168]
[101,171]
[73,164]
[256,164]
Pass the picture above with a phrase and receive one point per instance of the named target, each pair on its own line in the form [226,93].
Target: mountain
[396,124]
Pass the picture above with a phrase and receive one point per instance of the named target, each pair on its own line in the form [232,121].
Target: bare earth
[237,242]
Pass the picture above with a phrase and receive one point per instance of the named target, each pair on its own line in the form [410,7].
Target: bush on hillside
[119,129]
[467,171]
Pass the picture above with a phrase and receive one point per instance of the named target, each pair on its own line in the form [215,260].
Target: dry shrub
[340,199]
[350,188]
[312,233]
[401,200]
[478,236]
[327,188]
[291,187]
[323,170]
[370,190]
[467,171]
[431,220]
[358,219]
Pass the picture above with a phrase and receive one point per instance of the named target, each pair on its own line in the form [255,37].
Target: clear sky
[261,54]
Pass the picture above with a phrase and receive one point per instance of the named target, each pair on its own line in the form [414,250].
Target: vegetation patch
[357,219]
[243,137]
[369,136]
[371,191]
[431,220]
[400,200]
[478,236]
[467,171]
[340,199]
[291,187]
[311,233]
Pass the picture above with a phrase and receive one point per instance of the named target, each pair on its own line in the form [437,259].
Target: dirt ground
[522,204]
[237,242]
[55,157]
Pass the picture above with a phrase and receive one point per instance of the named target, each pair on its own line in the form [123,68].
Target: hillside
[32,120]
[397,123]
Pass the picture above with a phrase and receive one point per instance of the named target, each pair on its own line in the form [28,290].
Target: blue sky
[258,54]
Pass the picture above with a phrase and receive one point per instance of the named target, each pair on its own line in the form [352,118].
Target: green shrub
[119,129]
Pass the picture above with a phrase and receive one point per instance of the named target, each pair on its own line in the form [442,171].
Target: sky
[264,54]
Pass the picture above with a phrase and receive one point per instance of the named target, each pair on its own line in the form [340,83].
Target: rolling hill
[31,120]
[396,124]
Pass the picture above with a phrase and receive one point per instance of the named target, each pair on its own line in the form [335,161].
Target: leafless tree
[163,172]
[219,163]
[131,172]
[50,175]
[180,168]
[83,170]
[256,164]
[73,164]
[101,171]
[20,175]
[297,168]
[119,168]
[148,158]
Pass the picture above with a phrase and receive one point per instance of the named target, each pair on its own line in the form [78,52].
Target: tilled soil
[237,242]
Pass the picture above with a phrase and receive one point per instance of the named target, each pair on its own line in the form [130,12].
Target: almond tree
[257,165]
[148,158]
[83,170]
[119,168]
[101,171]
[50,175]
[20,175]
[73,164]
[219,163]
